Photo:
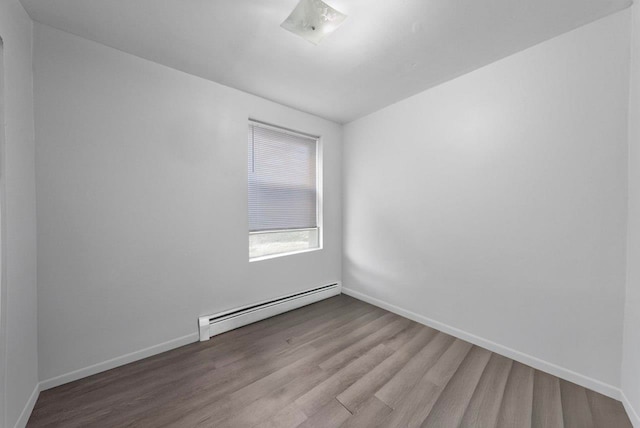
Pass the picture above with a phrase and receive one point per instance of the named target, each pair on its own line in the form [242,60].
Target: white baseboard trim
[537,363]
[28,408]
[631,412]
[118,361]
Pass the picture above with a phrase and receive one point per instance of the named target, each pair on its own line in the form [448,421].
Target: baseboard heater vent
[215,324]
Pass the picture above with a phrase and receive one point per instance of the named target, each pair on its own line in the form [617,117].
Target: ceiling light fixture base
[313,20]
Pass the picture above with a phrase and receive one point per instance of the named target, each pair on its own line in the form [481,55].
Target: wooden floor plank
[277,387]
[289,417]
[309,330]
[332,414]
[448,363]
[547,403]
[344,335]
[369,414]
[361,391]
[575,406]
[404,336]
[415,406]
[341,380]
[485,404]
[607,412]
[400,384]
[339,361]
[266,407]
[450,407]
[343,357]
[238,388]
[517,400]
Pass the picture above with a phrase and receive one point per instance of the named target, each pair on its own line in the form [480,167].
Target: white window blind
[283,192]
[282,180]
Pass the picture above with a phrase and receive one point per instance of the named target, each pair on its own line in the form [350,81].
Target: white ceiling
[385,51]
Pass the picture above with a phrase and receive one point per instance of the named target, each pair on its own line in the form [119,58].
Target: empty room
[320,213]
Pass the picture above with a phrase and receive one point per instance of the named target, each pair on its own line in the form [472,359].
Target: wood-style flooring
[337,363]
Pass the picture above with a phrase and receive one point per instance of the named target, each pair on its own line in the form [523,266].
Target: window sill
[273,256]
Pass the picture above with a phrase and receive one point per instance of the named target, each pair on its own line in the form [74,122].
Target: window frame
[319,194]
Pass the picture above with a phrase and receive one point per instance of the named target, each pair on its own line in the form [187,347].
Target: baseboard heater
[215,324]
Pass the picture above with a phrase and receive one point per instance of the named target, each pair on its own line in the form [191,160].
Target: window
[284,200]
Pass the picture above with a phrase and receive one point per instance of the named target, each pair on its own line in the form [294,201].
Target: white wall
[18,344]
[496,203]
[631,354]
[142,203]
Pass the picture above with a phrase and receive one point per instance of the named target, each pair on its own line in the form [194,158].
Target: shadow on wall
[3,282]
